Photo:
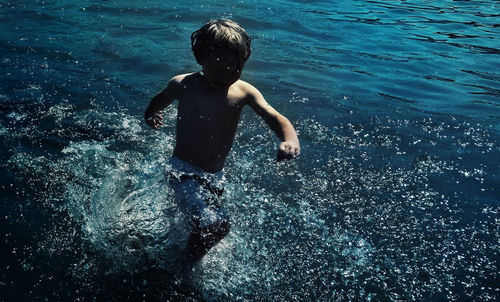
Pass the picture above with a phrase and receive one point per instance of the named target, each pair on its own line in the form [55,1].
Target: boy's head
[222,47]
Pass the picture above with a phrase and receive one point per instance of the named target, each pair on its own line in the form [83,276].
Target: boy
[209,107]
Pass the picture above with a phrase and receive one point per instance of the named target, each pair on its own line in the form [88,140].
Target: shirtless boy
[209,108]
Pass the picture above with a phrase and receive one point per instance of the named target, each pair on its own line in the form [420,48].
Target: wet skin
[209,109]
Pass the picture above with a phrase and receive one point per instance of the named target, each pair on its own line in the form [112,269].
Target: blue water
[394,197]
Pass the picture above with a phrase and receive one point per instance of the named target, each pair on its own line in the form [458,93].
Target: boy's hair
[220,33]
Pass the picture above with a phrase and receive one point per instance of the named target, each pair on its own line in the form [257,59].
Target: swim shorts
[198,193]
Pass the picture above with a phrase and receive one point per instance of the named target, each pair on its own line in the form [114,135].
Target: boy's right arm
[290,145]
[160,101]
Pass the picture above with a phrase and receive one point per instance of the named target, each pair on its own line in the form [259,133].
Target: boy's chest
[210,105]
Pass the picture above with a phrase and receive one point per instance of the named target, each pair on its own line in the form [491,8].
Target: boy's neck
[213,85]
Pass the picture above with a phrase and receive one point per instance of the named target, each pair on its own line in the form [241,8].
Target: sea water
[395,195]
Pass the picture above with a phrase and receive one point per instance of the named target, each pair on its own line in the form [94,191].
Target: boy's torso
[207,121]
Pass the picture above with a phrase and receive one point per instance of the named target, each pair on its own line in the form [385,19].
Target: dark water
[394,197]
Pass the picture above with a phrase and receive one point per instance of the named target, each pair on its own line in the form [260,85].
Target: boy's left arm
[290,145]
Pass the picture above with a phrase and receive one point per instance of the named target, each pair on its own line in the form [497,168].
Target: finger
[291,151]
[151,123]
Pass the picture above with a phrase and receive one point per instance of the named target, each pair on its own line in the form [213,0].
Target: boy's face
[222,66]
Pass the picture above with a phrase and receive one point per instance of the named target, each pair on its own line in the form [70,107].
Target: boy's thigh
[198,203]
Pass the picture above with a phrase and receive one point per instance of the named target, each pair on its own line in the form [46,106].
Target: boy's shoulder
[246,88]
[178,79]
[181,81]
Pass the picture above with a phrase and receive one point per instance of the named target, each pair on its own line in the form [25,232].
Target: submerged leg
[202,239]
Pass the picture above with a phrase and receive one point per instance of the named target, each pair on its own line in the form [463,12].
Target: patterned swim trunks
[198,193]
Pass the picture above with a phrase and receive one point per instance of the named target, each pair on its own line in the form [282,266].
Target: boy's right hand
[154,119]
[288,150]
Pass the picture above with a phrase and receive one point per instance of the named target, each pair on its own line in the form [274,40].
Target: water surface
[394,197]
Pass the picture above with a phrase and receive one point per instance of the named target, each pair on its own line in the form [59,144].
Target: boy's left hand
[154,119]
[288,150]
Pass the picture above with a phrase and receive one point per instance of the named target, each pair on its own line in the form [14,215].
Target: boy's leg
[202,239]
[198,196]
